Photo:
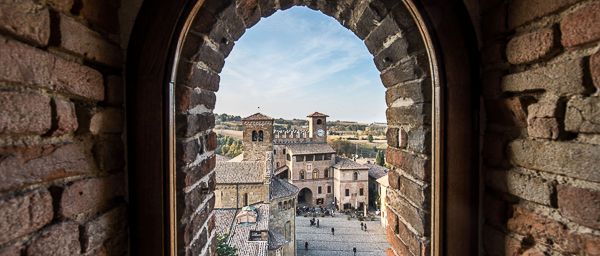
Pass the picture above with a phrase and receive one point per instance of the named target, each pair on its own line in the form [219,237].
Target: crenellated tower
[257,137]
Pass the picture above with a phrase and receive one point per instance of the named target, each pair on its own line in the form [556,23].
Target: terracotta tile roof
[309,148]
[258,117]
[240,233]
[376,171]
[281,188]
[317,114]
[276,240]
[342,163]
[240,172]
[223,220]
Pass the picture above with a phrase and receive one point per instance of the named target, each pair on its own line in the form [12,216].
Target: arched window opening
[254,136]
[315,174]
[319,121]
[301,174]
[277,165]
[355,176]
[326,173]
[260,135]
[284,151]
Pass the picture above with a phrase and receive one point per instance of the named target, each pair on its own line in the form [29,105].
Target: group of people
[314,222]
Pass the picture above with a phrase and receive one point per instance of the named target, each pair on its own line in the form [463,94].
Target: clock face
[320,132]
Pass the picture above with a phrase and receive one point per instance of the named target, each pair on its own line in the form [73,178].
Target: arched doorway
[425,54]
[305,197]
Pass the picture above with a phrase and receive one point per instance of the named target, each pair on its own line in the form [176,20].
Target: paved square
[347,235]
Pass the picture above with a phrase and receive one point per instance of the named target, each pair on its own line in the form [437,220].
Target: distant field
[230,133]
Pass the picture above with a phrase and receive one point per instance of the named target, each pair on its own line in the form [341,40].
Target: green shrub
[224,249]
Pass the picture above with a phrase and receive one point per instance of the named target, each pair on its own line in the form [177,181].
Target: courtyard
[348,234]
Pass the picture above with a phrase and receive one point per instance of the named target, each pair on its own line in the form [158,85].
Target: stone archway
[397,35]
[305,197]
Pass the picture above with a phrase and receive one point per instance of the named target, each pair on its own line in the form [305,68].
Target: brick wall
[61,150]
[541,74]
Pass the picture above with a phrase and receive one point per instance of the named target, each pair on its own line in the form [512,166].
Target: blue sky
[299,61]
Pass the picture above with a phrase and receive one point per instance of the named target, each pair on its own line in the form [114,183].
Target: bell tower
[317,127]
[258,137]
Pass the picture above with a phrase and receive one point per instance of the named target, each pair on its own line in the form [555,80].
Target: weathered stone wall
[343,180]
[232,196]
[62,186]
[279,216]
[255,150]
[541,74]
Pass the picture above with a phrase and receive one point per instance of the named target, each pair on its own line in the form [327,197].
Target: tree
[380,158]
[370,138]
[224,249]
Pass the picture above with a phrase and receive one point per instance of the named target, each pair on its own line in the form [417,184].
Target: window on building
[328,189]
[260,135]
[360,192]
[319,190]
[280,205]
[288,157]
[301,174]
[310,157]
[315,174]
[327,156]
[277,165]
[326,173]
[285,205]
[319,121]
[355,176]
[254,136]
[288,230]
[319,157]
[274,151]
[284,151]
[299,158]
[347,192]
[245,199]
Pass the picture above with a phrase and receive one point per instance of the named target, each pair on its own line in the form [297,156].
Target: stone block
[59,239]
[524,11]
[24,113]
[194,100]
[267,7]
[412,164]
[528,187]
[115,91]
[413,192]
[79,39]
[210,58]
[595,69]
[108,120]
[107,226]
[249,11]
[583,115]
[392,135]
[385,33]
[189,124]
[101,13]
[235,25]
[24,214]
[26,65]
[543,230]
[561,79]
[109,153]
[27,20]
[409,93]
[367,22]
[564,158]
[85,198]
[417,140]
[187,151]
[580,205]
[66,119]
[530,46]
[414,115]
[412,68]
[192,75]
[26,166]
[581,26]
[544,127]
[416,218]
[195,173]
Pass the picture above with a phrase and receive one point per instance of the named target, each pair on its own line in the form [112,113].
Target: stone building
[501,95]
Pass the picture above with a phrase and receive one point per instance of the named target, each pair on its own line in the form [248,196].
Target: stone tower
[258,137]
[317,127]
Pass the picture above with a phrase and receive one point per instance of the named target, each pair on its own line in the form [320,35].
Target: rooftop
[317,114]
[239,234]
[309,148]
[376,171]
[342,163]
[384,181]
[281,188]
[240,172]
[258,117]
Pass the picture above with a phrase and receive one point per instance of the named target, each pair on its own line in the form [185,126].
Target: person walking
[332,231]
[365,227]
[306,246]
[317,223]
[361,226]
[354,250]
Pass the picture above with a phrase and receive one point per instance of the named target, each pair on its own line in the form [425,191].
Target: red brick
[98,231]
[85,198]
[581,26]
[115,92]
[249,11]
[410,163]
[580,205]
[194,100]
[107,121]
[109,153]
[26,166]
[595,69]
[27,20]
[24,214]
[591,244]
[77,38]
[101,13]
[415,217]
[543,229]
[23,64]
[11,250]
[195,173]
[531,46]
[523,11]
[24,113]
[65,117]
[60,239]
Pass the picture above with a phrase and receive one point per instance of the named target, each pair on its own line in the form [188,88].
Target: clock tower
[317,127]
